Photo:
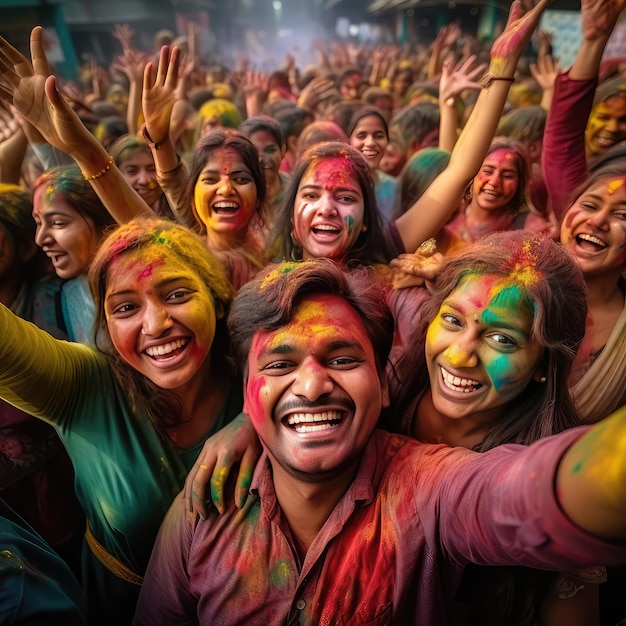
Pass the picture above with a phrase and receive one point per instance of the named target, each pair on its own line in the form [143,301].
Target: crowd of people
[337,344]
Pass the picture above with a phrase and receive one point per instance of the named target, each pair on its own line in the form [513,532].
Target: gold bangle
[103,171]
[487,79]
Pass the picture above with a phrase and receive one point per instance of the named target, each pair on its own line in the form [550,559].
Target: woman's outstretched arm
[428,214]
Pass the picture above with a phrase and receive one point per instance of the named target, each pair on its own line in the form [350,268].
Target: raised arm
[426,216]
[13,144]
[131,63]
[159,97]
[598,21]
[31,89]
[455,79]
[591,479]
[563,158]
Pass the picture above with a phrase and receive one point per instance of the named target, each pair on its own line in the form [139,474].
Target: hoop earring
[296,251]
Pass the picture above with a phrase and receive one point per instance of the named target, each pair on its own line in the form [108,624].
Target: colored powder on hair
[523,265]
[506,297]
[280,270]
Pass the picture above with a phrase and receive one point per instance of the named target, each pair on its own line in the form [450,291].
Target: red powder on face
[570,217]
[481,301]
[332,172]
[146,273]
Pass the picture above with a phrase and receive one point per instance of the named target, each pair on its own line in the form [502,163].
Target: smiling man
[347,524]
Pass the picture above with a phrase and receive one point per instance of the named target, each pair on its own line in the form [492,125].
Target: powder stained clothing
[386,554]
[127,474]
[602,388]
[563,149]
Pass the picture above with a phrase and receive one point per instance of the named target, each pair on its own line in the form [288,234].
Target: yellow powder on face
[614,185]
[310,320]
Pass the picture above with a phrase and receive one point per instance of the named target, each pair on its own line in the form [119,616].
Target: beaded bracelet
[103,171]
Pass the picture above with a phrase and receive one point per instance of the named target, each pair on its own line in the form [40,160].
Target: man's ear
[245,407]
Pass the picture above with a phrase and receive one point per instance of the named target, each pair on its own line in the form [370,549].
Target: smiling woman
[593,231]
[134,415]
[489,365]
[491,354]
[70,223]
[368,133]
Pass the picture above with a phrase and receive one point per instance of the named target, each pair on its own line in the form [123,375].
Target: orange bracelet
[103,171]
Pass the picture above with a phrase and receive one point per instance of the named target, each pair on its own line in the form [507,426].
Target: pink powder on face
[482,300]
[152,257]
[255,381]
[500,156]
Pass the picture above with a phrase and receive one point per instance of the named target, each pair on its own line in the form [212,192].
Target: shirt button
[300,604]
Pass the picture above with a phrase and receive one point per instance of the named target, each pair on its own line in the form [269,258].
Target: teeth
[326,227]
[314,422]
[225,205]
[592,239]
[165,348]
[466,385]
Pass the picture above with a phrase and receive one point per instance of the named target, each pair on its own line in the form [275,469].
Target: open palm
[31,89]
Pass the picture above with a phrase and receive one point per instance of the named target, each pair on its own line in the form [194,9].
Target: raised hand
[508,47]
[315,91]
[9,125]
[456,79]
[545,72]
[599,17]
[31,89]
[159,93]
[448,35]
[132,64]
[124,34]
[254,85]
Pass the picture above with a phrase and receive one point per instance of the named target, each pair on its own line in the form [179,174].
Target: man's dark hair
[268,302]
